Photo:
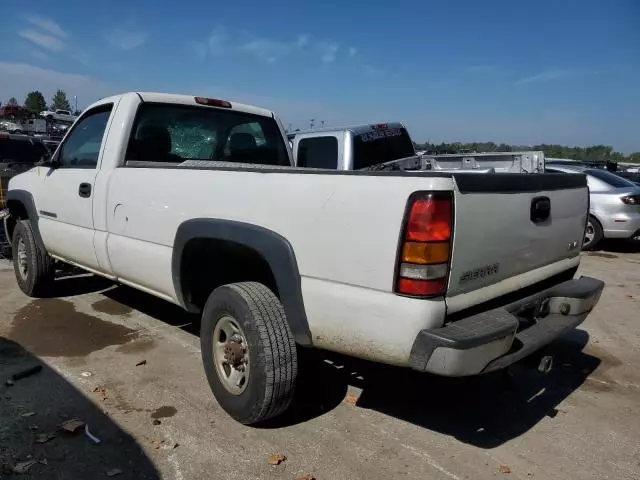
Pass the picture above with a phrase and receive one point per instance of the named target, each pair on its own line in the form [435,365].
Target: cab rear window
[380,146]
[318,152]
[177,133]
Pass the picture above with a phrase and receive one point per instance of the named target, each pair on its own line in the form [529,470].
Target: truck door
[65,199]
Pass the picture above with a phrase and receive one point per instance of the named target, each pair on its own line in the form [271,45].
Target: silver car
[615,204]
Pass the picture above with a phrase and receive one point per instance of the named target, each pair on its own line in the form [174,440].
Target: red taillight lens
[425,251]
[422,287]
[429,220]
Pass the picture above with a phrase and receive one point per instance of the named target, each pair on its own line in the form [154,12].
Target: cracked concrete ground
[129,366]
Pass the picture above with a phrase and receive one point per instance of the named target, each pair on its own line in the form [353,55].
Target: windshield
[609,178]
[175,133]
[381,146]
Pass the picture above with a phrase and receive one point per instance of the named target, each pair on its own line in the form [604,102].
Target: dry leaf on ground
[114,472]
[504,469]
[44,437]
[157,443]
[27,414]
[351,399]
[276,458]
[306,477]
[72,425]
[102,392]
[23,467]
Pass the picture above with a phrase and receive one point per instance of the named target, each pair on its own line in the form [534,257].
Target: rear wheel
[248,352]
[33,267]
[593,234]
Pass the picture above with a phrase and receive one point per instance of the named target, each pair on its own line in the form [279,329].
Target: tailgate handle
[540,209]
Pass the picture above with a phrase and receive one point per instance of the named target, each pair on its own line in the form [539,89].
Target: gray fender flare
[274,248]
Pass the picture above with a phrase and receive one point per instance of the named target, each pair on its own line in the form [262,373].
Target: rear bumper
[497,338]
[624,225]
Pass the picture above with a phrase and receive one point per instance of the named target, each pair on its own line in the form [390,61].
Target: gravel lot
[351,419]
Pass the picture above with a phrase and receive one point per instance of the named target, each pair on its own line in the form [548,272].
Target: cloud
[48,42]
[549,75]
[371,70]
[126,38]
[47,25]
[303,40]
[267,50]
[34,52]
[481,69]
[21,78]
[218,41]
[329,51]
[223,41]
[198,50]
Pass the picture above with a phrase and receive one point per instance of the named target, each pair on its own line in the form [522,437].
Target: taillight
[425,253]
[631,199]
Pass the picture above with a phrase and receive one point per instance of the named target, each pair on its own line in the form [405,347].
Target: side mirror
[49,162]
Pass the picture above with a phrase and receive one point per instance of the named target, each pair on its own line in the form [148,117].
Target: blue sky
[504,70]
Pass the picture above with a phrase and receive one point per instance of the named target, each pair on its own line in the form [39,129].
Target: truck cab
[351,148]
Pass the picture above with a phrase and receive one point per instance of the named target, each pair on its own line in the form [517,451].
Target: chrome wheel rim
[231,355]
[589,234]
[23,265]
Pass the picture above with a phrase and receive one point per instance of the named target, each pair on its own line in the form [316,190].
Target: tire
[33,267]
[594,233]
[269,352]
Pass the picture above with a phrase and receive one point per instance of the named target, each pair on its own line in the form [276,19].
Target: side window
[81,148]
[318,152]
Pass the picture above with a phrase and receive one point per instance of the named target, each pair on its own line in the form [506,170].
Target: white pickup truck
[59,115]
[195,200]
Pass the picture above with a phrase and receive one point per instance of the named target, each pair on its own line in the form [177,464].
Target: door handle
[84,190]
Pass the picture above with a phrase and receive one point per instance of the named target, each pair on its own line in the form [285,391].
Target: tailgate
[501,228]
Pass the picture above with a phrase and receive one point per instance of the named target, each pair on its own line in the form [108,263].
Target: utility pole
[75,97]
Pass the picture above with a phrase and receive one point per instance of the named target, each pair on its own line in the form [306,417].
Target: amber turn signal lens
[425,253]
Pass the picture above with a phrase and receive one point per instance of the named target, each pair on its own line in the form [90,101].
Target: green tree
[12,102]
[35,102]
[60,101]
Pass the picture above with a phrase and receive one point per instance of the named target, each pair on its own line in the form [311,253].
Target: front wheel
[593,234]
[248,352]
[33,267]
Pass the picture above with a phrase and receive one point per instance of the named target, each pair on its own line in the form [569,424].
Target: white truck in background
[388,147]
[197,201]
[59,116]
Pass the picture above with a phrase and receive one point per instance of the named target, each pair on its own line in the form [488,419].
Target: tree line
[594,153]
[35,102]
